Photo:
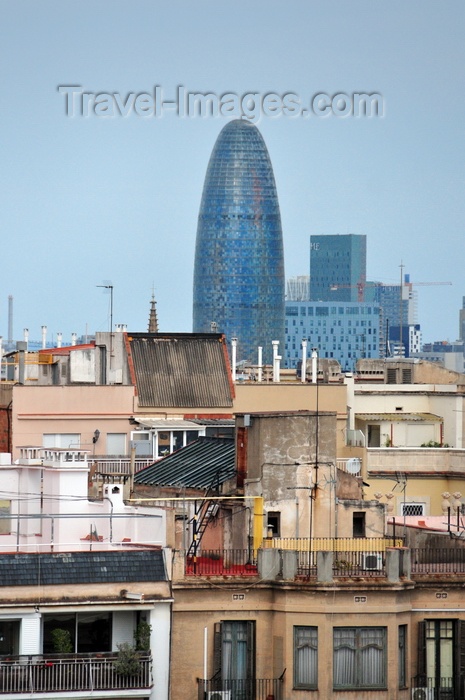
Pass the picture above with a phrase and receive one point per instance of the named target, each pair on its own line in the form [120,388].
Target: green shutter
[217,636]
[421,657]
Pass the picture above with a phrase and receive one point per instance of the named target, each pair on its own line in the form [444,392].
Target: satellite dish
[353,466]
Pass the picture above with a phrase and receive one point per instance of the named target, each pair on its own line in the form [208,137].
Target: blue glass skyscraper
[239,260]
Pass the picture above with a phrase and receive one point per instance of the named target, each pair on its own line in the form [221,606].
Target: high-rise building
[343,331]
[298,288]
[239,262]
[337,267]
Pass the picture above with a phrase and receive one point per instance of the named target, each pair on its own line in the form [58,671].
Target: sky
[101,199]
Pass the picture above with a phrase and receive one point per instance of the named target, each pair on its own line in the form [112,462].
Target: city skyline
[90,199]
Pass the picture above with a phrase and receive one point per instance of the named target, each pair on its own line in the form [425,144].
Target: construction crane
[361,286]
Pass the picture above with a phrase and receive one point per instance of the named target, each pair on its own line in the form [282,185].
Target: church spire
[153,320]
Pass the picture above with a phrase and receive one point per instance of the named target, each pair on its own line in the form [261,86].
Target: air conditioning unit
[422,693]
[372,561]
[219,695]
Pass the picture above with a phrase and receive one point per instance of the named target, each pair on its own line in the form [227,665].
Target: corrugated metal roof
[400,416]
[188,370]
[197,465]
[81,567]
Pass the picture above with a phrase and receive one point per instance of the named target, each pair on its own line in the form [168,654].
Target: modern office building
[399,312]
[239,262]
[344,331]
[337,267]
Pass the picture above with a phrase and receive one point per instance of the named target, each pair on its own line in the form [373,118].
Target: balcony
[26,675]
[248,689]
[439,688]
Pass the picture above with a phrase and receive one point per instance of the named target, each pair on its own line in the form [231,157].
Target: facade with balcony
[85,593]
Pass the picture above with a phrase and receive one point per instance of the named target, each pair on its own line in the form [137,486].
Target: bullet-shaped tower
[239,261]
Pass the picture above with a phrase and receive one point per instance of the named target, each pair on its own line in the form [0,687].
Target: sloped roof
[188,370]
[81,567]
[400,416]
[206,461]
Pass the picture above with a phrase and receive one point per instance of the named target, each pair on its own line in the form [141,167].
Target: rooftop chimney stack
[44,337]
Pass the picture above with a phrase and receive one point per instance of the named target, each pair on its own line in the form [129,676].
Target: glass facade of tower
[338,267]
[239,261]
[344,331]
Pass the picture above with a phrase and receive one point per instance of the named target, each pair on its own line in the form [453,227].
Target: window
[412,509]
[274,522]
[359,657]
[441,662]
[9,637]
[402,656]
[88,631]
[116,443]
[358,524]
[61,440]
[306,657]
[5,519]
[234,656]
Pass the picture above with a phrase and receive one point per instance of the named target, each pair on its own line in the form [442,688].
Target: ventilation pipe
[21,347]
[276,360]
[44,337]
[233,357]
[260,363]
[314,365]
[303,369]
[73,338]
[59,339]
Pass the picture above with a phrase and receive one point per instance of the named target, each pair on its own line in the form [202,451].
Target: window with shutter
[234,657]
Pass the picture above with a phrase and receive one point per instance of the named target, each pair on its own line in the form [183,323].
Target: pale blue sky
[89,200]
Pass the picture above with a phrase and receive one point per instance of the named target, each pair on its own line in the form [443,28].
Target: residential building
[239,261]
[337,267]
[80,582]
[316,599]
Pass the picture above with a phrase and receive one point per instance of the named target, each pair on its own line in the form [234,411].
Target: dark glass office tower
[239,261]
[338,267]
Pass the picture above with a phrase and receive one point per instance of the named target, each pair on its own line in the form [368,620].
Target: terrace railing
[248,689]
[70,672]
[438,560]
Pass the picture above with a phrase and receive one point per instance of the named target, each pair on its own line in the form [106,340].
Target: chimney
[233,357]
[26,336]
[276,360]
[314,365]
[44,337]
[303,369]
[260,363]
[59,339]
[73,338]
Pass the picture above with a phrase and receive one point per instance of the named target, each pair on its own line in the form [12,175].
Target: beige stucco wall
[70,409]
[277,608]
